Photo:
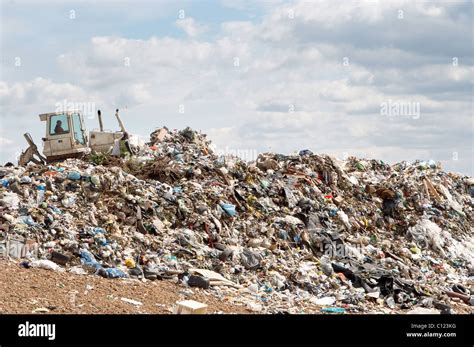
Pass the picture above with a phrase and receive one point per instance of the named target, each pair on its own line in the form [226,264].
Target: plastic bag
[10,200]
[427,234]
[229,209]
[74,175]
[88,260]
[46,264]
[28,220]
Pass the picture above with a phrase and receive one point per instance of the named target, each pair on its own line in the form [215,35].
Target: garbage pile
[298,233]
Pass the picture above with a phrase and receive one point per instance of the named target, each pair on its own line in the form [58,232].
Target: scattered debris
[130,301]
[190,307]
[40,310]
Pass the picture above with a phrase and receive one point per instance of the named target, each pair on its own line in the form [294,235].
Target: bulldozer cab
[65,135]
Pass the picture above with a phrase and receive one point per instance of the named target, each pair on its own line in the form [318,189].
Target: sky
[389,80]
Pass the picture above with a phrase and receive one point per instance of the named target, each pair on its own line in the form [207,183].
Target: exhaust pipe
[100,121]
[122,127]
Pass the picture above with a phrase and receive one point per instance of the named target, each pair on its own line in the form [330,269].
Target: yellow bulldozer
[66,137]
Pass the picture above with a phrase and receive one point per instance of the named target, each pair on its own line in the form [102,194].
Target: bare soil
[44,291]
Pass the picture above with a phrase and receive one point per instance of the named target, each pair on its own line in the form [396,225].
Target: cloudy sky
[391,79]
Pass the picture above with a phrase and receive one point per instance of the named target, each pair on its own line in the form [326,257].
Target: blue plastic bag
[333,310]
[229,209]
[74,175]
[28,220]
[283,234]
[305,152]
[113,272]
[55,168]
[88,259]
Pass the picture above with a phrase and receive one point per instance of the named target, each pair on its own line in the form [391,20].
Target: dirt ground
[43,291]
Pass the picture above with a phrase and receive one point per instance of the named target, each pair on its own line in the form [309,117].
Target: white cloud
[4,141]
[39,90]
[190,27]
[134,94]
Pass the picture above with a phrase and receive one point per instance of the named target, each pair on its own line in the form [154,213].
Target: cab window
[59,125]
[78,133]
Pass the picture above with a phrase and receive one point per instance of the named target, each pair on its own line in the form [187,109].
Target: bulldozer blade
[31,154]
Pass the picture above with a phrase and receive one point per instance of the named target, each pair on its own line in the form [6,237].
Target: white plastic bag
[46,264]
[427,234]
[10,200]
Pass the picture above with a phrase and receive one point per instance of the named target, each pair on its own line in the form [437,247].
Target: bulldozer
[66,137]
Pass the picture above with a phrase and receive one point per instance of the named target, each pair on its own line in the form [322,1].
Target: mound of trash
[297,233]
